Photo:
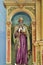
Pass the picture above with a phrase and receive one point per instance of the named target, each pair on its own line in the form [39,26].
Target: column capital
[8,23]
[34,23]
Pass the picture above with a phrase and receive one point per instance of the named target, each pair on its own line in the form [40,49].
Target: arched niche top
[22,10]
[26,18]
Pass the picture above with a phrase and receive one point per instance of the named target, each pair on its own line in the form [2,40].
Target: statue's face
[21,21]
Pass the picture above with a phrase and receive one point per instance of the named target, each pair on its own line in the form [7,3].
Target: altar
[29,10]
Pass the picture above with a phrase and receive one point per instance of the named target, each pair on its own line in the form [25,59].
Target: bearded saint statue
[22,40]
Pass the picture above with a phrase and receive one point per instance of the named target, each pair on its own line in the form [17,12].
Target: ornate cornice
[12,3]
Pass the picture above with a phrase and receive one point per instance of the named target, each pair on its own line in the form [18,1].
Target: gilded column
[8,42]
[42,18]
[33,41]
[38,20]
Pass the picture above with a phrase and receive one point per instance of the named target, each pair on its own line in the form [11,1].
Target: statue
[22,41]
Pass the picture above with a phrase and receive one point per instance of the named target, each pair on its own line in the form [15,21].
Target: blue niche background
[25,16]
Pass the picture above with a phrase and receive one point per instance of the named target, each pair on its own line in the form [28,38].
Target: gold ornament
[20,1]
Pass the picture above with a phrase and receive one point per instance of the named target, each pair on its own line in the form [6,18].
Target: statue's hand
[28,52]
[24,33]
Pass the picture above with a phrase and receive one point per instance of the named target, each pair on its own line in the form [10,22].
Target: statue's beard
[21,24]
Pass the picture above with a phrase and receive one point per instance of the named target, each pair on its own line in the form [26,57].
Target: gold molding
[22,10]
[15,4]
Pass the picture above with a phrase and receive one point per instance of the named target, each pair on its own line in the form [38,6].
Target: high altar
[33,8]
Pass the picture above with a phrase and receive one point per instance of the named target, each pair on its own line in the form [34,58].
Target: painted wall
[2,33]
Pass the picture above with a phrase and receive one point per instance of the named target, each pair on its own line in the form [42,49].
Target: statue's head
[20,20]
